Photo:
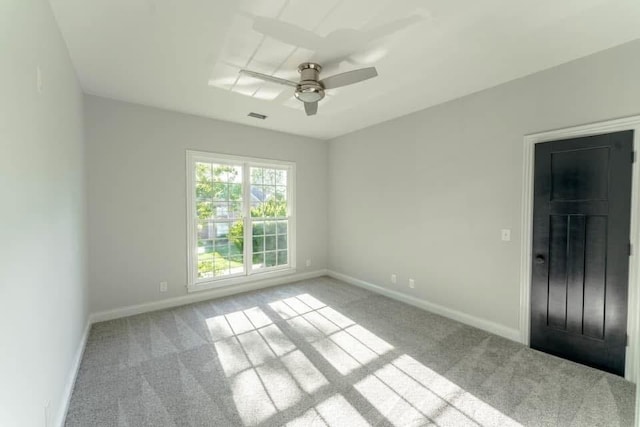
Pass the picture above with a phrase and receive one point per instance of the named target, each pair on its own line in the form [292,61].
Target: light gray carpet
[321,352]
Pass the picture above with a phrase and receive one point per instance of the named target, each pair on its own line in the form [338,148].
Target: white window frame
[249,275]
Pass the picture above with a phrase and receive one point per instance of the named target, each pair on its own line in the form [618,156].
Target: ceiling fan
[311,89]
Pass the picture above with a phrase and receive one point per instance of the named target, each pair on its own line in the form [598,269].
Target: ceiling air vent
[257,116]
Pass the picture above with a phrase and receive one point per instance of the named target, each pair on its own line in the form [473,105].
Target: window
[233,200]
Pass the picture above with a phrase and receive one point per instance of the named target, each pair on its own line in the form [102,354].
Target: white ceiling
[184,55]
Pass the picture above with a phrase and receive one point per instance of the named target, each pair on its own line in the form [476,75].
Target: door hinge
[630,249]
[633,157]
[626,340]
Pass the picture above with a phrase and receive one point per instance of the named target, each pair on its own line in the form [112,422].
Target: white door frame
[632,367]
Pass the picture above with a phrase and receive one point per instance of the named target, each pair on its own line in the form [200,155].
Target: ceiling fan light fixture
[309,92]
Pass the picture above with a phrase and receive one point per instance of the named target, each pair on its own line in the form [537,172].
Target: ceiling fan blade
[311,108]
[287,33]
[349,78]
[268,78]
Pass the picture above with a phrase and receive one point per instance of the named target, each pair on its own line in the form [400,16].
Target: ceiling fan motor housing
[309,89]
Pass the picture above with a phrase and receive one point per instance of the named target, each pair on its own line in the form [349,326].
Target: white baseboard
[73,374]
[131,310]
[487,325]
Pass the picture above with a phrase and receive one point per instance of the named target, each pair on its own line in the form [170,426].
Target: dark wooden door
[581,220]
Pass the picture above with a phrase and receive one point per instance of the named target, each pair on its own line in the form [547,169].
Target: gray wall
[43,291]
[137,195]
[425,196]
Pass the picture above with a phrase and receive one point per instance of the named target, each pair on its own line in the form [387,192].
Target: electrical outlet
[308,263]
[164,286]
[505,234]
[394,279]
[412,283]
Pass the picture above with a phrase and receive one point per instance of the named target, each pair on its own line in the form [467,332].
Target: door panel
[579,174]
[557,301]
[575,272]
[594,277]
[580,249]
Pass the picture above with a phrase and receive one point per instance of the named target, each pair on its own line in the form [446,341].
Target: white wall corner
[477,322]
[73,374]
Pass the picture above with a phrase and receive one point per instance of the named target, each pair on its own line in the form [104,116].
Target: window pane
[235,192]
[205,265]
[236,236]
[220,210]
[270,227]
[269,192]
[258,228]
[258,244]
[204,209]
[258,260]
[222,229]
[282,241]
[235,174]
[256,175]
[270,243]
[220,265]
[281,177]
[281,193]
[282,257]
[205,229]
[203,172]
[256,194]
[205,246]
[220,172]
[270,259]
[269,176]
[257,210]
[222,246]
[282,227]
[253,210]
[235,209]
[204,190]
[220,191]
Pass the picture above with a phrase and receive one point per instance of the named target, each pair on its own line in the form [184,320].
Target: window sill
[256,277]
